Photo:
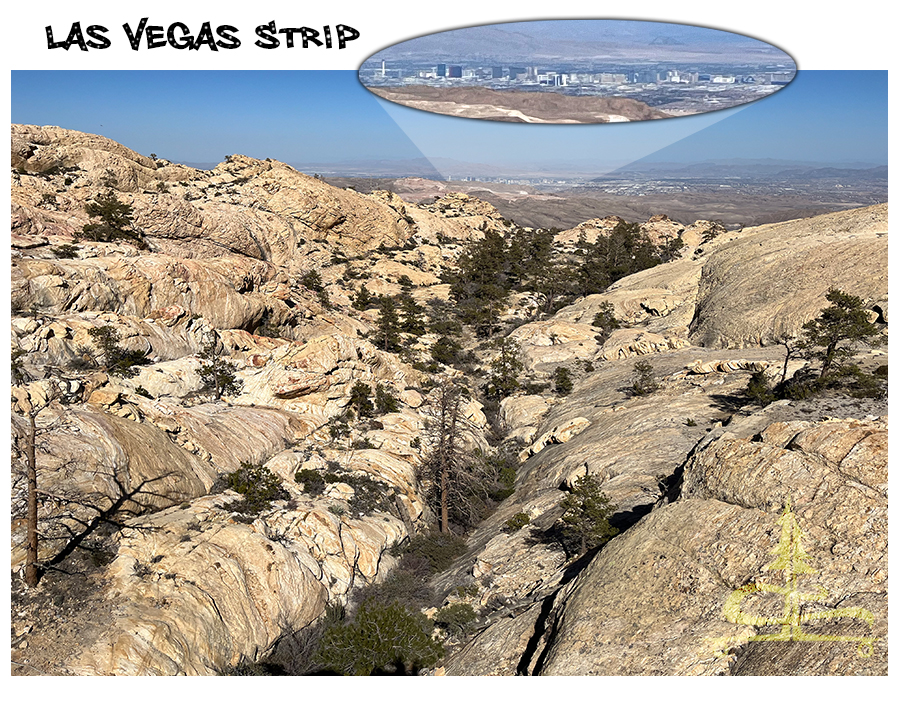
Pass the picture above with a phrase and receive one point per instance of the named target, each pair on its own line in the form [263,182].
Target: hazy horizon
[328,117]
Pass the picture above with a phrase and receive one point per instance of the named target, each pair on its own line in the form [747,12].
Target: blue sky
[200,116]
[820,116]
[327,116]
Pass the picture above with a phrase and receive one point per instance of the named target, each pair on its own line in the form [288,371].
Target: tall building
[442,70]
[497,72]
[454,72]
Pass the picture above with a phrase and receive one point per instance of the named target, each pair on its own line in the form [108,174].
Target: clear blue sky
[820,116]
[327,116]
[200,116]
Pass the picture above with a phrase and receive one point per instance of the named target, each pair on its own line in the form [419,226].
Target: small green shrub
[258,485]
[758,390]
[65,251]
[409,588]
[456,619]
[324,300]
[252,668]
[562,380]
[437,550]
[534,388]
[369,495]
[361,399]
[516,522]
[119,361]
[643,382]
[501,469]
[469,591]
[385,402]
[312,280]
[606,320]
[338,427]
[312,481]
[386,638]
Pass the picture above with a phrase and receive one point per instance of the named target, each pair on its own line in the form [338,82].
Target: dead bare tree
[456,480]
[64,513]
[792,350]
[20,377]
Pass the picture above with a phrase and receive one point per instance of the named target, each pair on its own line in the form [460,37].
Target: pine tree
[587,512]
[363,298]
[832,337]
[387,331]
[482,282]
[361,400]
[605,319]
[758,389]
[218,373]
[505,369]
[115,220]
[117,360]
[460,484]
[413,316]
[643,382]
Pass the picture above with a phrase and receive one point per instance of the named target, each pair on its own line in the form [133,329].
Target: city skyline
[605,71]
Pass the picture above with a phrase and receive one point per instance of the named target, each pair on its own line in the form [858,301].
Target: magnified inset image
[577,71]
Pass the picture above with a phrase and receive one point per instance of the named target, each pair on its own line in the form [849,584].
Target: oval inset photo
[577,71]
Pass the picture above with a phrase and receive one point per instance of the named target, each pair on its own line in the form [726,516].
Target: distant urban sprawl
[676,89]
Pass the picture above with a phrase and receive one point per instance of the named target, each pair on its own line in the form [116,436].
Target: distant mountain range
[603,40]
[751,168]
[441,169]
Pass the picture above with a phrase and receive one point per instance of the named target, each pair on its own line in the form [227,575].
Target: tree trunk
[787,358]
[445,508]
[828,360]
[32,569]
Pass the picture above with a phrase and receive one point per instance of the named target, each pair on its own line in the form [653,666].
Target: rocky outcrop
[652,601]
[520,415]
[630,342]
[559,434]
[748,288]
[772,280]
[554,341]
[46,150]
[202,592]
